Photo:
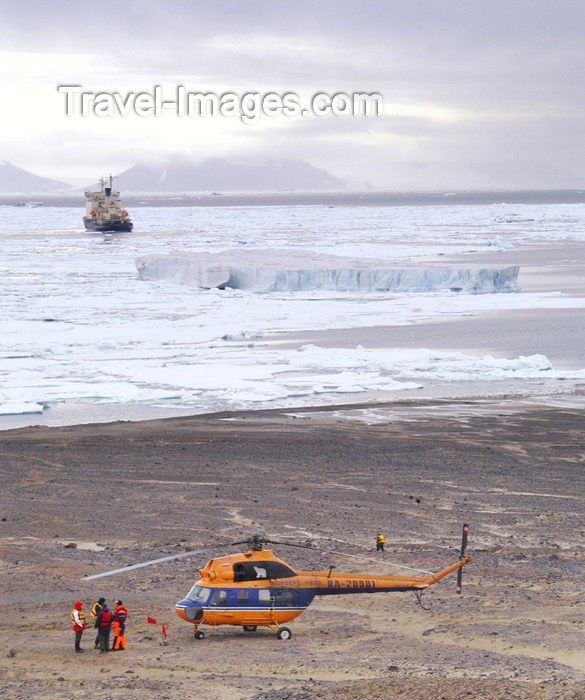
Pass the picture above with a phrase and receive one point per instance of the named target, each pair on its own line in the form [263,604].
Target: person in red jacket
[120,615]
[94,613]
[103,624]
[78,619]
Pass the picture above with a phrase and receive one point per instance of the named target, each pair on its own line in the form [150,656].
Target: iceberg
[304,271]
[14,408]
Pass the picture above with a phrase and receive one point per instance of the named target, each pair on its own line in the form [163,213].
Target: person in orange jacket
[120,615]
[78,619]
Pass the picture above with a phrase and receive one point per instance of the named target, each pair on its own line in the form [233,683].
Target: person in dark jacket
[94,613]
[103,624]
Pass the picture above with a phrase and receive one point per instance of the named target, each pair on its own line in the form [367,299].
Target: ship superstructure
[103,209]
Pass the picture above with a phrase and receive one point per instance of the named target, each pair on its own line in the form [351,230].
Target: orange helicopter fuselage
[257,588]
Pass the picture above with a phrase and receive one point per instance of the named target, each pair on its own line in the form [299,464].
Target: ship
[103,210]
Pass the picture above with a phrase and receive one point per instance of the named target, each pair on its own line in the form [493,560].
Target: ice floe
[304,271]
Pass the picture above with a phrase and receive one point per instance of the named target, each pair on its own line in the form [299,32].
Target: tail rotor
[462,556]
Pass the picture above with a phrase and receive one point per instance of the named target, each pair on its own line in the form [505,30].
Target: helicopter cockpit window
[219,598]
[198,594]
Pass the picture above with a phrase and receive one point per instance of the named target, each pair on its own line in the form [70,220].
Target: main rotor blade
[354,556]
[459,578]
[378,561]
[182,555]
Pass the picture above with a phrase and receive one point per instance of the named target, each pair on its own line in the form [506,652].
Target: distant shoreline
[309,198]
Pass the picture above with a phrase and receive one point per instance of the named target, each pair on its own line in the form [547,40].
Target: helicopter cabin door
[268,607]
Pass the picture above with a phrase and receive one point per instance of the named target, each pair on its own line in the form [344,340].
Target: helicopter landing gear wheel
[250,628]
[199,635]
[284,633]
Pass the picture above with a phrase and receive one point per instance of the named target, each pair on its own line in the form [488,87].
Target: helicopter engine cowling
[252,566]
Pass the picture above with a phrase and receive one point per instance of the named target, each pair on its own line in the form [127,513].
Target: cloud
[464,82]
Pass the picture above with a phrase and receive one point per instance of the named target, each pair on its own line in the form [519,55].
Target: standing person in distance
[94,613]
[380,540]
[120,615]
[78,619]
[103,624]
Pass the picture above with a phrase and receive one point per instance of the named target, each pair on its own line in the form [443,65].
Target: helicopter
[257,589]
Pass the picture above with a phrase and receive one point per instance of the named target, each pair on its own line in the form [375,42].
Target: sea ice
[14,408]
[79,327]
[272,271]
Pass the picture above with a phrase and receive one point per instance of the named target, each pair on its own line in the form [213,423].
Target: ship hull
[109,227]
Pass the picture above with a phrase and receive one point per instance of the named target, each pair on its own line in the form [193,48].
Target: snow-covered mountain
[223,175]
[15,180]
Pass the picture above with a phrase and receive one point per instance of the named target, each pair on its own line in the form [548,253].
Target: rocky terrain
[81,500]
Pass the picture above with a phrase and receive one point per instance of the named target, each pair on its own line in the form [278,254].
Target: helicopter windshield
[198,594]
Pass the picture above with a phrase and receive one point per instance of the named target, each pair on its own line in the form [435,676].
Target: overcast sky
[476,94]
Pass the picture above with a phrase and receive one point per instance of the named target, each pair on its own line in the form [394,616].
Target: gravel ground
[127,492]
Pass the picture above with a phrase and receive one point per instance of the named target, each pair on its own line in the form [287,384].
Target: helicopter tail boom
[445,572]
